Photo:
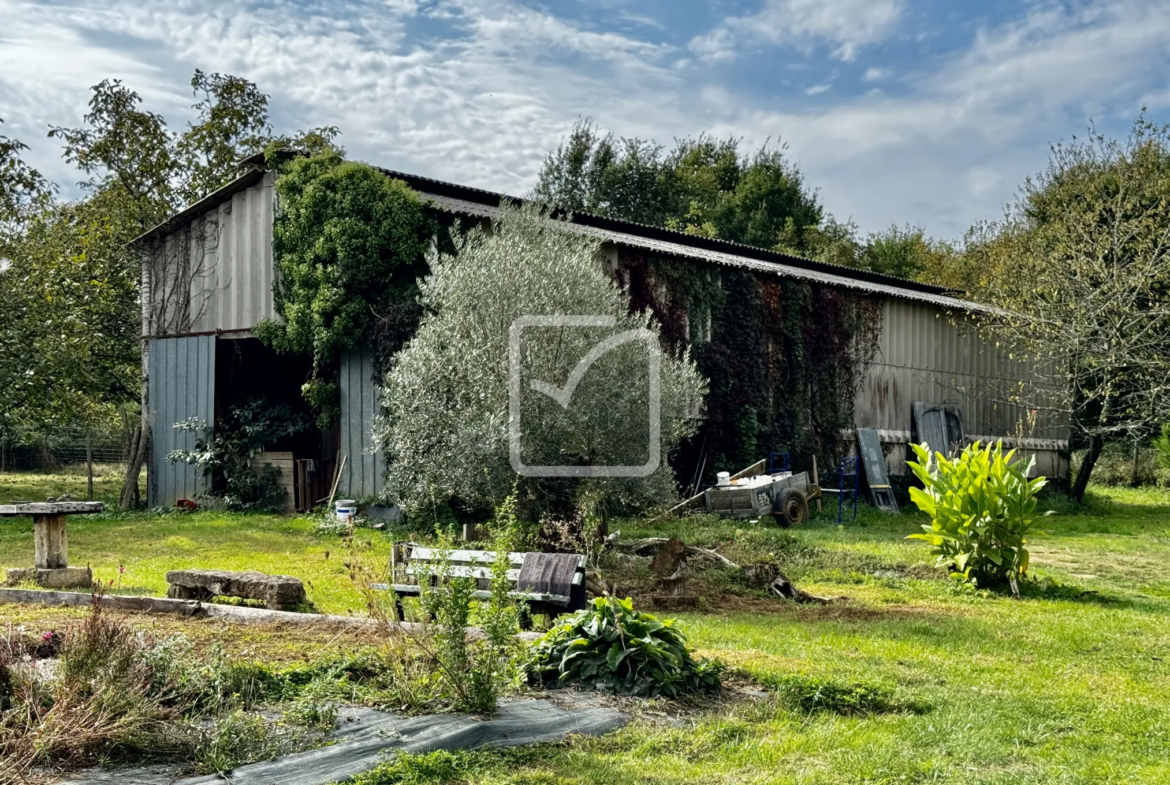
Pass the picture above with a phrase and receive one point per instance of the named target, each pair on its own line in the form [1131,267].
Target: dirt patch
[869,613]
[838,611]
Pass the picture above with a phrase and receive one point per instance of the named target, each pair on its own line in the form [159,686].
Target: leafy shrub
[1161,446]
[474,672]
[982,506]
[225,453]
[1117,466]
[820,693]
[614,648]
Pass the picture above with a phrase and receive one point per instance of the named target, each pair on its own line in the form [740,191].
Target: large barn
[208,275]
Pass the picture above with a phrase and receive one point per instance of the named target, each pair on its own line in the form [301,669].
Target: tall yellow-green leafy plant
[982,507]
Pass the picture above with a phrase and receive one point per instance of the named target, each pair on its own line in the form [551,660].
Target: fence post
[88,463]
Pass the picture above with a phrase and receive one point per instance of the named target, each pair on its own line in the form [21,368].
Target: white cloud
[482,104]
[875,74]
[846,25]
[817,89]
[955,148]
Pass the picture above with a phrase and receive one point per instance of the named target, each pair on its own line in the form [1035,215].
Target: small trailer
[783,495]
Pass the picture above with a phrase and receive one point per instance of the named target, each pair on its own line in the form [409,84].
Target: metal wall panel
[225,258]
[359,407]
[182,385]
[928,354]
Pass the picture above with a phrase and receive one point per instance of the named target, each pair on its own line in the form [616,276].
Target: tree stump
[670,565]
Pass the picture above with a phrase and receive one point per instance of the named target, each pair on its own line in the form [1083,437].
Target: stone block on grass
[279,592]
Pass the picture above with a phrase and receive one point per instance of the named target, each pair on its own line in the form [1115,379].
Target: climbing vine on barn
[348,242]
[784,358]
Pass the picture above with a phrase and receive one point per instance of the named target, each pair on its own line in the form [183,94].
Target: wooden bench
[410,562]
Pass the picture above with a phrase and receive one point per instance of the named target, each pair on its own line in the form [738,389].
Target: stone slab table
[50,543]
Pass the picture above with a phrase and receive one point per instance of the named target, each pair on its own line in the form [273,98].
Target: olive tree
[446,405]
[1080,267]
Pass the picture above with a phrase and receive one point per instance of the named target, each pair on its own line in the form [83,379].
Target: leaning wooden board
[869,445]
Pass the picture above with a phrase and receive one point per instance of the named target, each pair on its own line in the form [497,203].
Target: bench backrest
[411,560]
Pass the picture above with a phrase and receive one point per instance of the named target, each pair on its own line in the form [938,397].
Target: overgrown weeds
[474,673]
[805,693]
[233,739]
[104,699]
[118,693]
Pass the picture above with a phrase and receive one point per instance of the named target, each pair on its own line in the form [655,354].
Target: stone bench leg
[50,542]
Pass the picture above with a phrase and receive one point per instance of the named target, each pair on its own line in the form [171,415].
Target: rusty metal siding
[927,354]
[359,406]
[182,385]
[224,258]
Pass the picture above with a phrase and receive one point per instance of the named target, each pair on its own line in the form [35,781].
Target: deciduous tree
[1080,266]
[73,323]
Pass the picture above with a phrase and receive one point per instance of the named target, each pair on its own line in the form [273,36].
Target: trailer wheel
[791,508]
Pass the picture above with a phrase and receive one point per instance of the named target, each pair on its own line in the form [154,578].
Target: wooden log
[51,546]
[83,599]
[669,558]
[786,589]
[651,545]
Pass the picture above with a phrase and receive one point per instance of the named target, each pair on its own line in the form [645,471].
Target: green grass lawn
[1069,685]
[134,551]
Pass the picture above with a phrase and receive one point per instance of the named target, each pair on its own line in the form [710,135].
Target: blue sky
[898,111]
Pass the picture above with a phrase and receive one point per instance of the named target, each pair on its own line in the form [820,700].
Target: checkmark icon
[563,394]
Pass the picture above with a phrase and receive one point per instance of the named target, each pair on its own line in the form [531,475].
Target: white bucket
[345,509]
[722,479]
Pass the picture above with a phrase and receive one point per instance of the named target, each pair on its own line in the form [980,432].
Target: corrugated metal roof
[470,195]
[935,297]
[479,202]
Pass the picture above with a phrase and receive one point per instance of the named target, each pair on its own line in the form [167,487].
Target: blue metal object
[848,470]
[779,462]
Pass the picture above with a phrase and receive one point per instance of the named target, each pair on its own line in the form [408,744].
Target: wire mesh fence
[53,448]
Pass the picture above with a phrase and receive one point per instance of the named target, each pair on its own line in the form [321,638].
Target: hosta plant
[982,506]
[614,648]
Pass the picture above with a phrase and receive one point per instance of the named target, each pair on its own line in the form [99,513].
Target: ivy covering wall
[349,243]
[784,358]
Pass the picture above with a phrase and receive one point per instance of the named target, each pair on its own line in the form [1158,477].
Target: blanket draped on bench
[548,573]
